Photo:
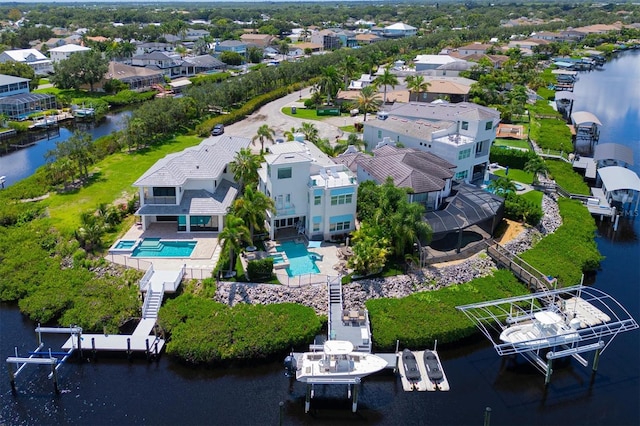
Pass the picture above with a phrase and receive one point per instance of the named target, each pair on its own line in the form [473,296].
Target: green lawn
[533,196]
[516,175]
[306,114]
[113,177]
[512,143]
[350,129]
[564,175]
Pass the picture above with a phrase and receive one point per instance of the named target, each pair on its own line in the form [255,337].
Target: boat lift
[44,357]
[600,316]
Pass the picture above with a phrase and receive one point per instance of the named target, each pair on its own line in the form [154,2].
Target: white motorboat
[545,330]
[337,361]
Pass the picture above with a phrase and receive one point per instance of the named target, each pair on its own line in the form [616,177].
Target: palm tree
[368,100]
[417,84]
[252,208]
[290,134]
[330,82]
[264,132]
[387,78]
[233,235]
[348,67]
[536,165]
[310,131]
[408,226]
[502,186]
[245,167]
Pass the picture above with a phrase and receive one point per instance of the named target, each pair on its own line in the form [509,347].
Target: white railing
[129,262]
[145,304]
[144,282]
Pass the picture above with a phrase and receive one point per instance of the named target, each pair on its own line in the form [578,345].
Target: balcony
[287,209]
[160,200]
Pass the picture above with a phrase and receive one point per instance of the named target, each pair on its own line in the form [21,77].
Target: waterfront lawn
[534,197]
[112,179]
[516,175]
[205,331]
[420,319]
[571,249]
[512,143]
[551,134]
[564,175]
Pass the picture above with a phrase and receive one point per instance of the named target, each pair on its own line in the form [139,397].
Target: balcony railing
[160,200]
[286,210]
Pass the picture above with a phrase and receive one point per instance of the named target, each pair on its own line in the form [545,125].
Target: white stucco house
[191,189]
[32,57]
[61,53]
[314,196]
[460,133]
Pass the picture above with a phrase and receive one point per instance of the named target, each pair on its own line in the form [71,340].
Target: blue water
[299,261]
[152,247]
[124,244]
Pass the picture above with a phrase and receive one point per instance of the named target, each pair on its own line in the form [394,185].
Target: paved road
[272,115]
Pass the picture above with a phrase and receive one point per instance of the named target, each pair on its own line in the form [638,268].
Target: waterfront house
[139,79]
[168,64]
[313,195]
[236,46]
[428,177]
[36,60]
[192,65]
[461,133]
[61,53]
[191,189]
[16,102]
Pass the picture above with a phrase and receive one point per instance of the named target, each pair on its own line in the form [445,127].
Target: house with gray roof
[461,133]
[167,64]
[193,188]
[192,65]
[17,103]
[36,60]
[427,176]
[239,47]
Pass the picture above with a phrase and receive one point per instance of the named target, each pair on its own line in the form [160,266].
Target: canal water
[22,163]
[114,391]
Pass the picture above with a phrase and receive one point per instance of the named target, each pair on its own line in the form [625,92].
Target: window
[316,227]
[284,173]
[462,175]
[379,134]
[465,153]
[341,199]
[317,200]
[489,125]
[465,125]
[479,146]
[340,226]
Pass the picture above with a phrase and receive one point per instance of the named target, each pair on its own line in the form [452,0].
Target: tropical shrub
[564,175]
[518,208]
[260,270]
[420,319]
[513,158]
[204,331]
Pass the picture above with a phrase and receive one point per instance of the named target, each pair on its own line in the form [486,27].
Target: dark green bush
[420,319]
[514,158]
[260,270]
[209,78]
[520,209]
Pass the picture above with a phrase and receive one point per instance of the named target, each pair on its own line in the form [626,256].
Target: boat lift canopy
[601,317]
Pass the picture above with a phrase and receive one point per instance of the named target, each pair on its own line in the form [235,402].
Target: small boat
[45,122]
[545,330]
[84,112]
[336,361]
[434,372]
[411,371]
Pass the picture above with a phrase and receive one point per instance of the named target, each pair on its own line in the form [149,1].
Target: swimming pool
[155,247]
[300,263]
[277,258]
[124,244]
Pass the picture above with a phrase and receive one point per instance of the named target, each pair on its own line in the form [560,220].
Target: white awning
[584,117]
[613,151]
[615,178]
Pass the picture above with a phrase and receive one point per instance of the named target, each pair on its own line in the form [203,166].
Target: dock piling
[129,348]
[596,360]
[487,416]
[281,405]
[307,399]
[12,379]
[354,404]
[54,375]
[147,352]
[547,377]
[93,348]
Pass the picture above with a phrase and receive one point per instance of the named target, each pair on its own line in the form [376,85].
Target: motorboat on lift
[546,329]
[336,361]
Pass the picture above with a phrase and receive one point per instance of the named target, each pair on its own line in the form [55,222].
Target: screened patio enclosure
[470,215]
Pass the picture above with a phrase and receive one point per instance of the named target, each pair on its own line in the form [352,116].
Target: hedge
[205,331]
[420,319]
[260,270]
[514,158]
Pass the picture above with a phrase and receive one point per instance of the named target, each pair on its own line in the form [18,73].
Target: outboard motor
[290,366]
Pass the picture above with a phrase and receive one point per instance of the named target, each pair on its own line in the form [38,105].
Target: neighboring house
[61,53]
[547,35]
[17,103]
[195,34]
[142,48]
[232,46]
[192,189]
[474,49]
[399,30]
[428,177]
[36,60]
[313,195]
[431,62]
[192,65]
[54,42]
[364,81]
[461,133]
[314,47]
[526,46]
[137,78]
[454,89]
[367,38]
[328,39]
[169,65]
[260,40]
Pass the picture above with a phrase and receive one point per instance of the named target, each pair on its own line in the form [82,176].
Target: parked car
[217,130]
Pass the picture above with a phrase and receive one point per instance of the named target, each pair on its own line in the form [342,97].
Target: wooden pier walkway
[535,280]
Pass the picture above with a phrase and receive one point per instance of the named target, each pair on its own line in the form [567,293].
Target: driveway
[272,115]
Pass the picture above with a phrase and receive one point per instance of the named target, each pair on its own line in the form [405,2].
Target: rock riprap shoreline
[357,293]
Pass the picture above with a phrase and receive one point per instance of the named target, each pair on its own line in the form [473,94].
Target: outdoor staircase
[335,293]
[152,302]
